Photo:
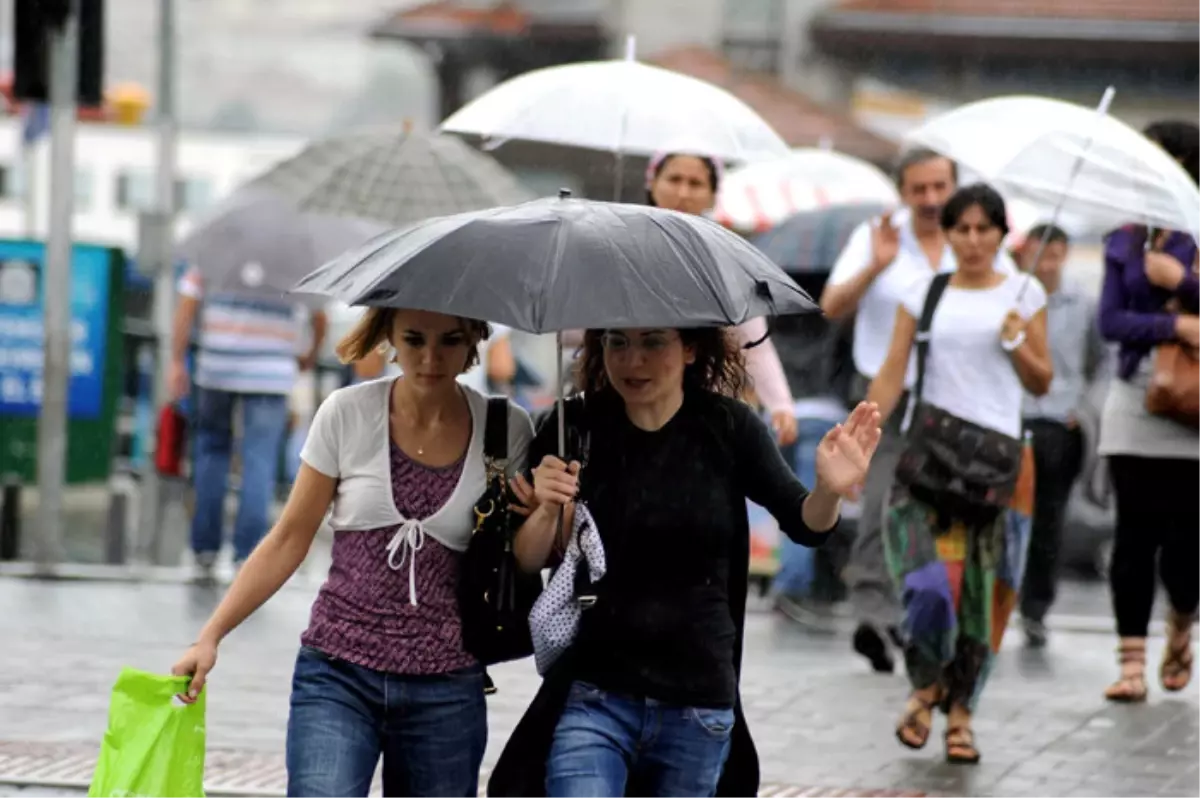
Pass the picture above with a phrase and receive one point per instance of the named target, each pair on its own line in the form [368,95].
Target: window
[753,34]
[136,191]
[11,184]
[85,190]
[193,194]
[753,19]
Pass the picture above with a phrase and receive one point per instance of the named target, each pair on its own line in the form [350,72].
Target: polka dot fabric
[554,619]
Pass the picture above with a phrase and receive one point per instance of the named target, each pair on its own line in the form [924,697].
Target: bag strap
[495,432]
[924,324]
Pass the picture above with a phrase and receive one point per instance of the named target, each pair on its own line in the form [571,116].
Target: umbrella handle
[562,425]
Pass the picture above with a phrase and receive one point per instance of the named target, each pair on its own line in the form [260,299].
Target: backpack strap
[495,432]
[924,324]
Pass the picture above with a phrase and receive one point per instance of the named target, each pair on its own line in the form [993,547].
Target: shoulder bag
[1174,389]
[962,469]
[494,594]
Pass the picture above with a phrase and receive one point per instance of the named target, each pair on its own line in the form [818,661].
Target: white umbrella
[759,196]
[1079,160]
[619,106]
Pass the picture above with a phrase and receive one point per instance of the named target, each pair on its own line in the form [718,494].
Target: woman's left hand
[1013,326]
[844,454]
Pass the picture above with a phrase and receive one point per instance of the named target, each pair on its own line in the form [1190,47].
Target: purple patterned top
[363,613]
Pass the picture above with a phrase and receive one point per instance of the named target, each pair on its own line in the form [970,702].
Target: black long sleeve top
[669,505]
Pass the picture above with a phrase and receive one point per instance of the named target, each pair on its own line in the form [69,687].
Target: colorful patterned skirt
[958,584]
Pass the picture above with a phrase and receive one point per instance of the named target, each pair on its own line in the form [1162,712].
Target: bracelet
[1014,344]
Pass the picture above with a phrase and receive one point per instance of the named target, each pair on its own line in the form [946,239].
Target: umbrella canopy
[257,244]
[557,264]
[1049,151]
[811,242]
[758,196]
[392,175]
[619,106]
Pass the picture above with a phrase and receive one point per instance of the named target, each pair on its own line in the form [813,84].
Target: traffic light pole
[154,492]
[56,294]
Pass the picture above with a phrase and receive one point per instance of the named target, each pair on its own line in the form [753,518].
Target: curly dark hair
[720,366]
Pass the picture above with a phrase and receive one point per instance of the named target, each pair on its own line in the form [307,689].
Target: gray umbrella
[394,176]
[557,264]
[257,244]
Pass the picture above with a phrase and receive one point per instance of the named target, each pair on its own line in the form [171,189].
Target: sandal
[1131,687]
[960,746]
[911,722]
[1175,672]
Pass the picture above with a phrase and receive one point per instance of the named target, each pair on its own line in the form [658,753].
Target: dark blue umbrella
[810,242]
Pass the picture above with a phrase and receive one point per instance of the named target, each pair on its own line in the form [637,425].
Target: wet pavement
[822,721]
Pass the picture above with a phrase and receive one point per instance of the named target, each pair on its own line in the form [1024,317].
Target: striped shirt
[243,346]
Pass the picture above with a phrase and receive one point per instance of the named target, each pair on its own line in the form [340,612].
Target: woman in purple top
[397,464]
[1150,298]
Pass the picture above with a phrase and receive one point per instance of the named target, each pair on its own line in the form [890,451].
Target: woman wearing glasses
[646,700]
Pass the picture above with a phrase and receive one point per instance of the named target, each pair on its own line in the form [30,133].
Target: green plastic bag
[154,745]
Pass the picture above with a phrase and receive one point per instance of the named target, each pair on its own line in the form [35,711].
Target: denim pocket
[717,722]
[584,692]
[310,653]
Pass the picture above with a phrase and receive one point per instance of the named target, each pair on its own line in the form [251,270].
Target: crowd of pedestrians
[966,357]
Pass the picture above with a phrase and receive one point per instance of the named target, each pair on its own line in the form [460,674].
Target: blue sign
[22,353]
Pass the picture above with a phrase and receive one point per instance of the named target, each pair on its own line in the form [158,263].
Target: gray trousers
[873,595]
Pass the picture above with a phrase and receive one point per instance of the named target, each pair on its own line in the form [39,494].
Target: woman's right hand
[1187,329]
[196,662]
[555,483]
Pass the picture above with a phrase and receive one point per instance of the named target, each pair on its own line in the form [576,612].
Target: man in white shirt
[881,262]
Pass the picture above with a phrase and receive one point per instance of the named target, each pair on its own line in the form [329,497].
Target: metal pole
[153,493]
[29,162]
[168,135]
[56,307]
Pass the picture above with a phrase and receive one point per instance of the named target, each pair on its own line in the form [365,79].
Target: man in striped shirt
[246,356]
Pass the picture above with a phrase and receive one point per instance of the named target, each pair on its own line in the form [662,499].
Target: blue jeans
[797,563]
[430,730]
[603,740]
[264,421]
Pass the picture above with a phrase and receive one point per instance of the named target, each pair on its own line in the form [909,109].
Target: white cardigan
[349,440]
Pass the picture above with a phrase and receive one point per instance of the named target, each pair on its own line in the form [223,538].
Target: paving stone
[821,718]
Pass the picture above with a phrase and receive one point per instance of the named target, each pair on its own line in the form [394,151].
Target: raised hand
[844,454]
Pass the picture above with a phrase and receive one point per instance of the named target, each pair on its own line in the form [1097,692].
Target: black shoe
[896,636]
[868,642]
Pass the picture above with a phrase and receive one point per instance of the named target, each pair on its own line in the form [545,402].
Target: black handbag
[964,470]
[494,594]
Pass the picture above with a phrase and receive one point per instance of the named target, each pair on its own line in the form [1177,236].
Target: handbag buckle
[586,602]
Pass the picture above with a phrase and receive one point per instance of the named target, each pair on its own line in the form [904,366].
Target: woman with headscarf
[688,183]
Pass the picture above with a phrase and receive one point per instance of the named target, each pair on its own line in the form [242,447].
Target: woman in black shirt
[669,459]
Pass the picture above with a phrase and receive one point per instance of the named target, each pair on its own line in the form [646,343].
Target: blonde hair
[373,329]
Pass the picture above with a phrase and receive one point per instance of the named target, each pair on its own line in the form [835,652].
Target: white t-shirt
[349,441]
[967,372]
[876,315]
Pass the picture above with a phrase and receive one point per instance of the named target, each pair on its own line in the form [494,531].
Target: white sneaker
[202,569]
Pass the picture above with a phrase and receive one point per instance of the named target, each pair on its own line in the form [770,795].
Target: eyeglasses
[651,344]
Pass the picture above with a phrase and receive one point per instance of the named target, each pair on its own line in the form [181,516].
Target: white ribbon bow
[408,540]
